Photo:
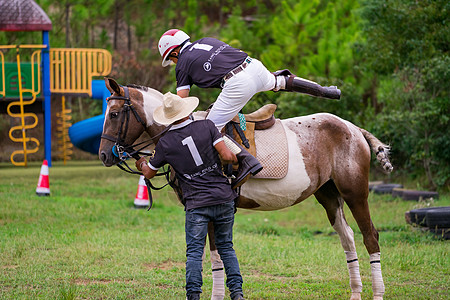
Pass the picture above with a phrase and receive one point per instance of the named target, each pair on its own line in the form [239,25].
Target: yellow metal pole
[73,70]
[19,75]
[63,113]
[78,70]
[3,91]
[35,89]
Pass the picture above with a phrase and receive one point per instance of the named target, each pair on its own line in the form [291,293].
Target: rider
[209,62]
[192,148]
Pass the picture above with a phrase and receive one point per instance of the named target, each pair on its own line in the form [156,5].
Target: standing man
[192,148]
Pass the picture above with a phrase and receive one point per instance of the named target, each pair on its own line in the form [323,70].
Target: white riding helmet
[170,40]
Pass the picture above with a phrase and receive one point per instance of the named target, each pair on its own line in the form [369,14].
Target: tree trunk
[116,22]
[67,24]
[427,160]
[92,36]
[129,36]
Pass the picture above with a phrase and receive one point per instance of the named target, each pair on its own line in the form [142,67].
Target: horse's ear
[112,86]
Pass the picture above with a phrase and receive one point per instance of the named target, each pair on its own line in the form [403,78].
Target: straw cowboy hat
[174,108]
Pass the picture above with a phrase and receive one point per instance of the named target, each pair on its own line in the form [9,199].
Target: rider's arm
[225,153]
[183,93]
[142,166]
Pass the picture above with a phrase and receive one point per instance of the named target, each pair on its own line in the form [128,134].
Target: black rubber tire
[397,192]
[438,218]
[385,188]
[373,184]
[408,217]
[443,233]
[416,195]
[418,216]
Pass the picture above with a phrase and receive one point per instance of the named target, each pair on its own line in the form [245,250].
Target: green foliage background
[389,58]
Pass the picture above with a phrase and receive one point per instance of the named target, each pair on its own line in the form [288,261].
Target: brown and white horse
[328,157]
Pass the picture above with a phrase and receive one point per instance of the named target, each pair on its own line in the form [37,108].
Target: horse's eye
[113,115]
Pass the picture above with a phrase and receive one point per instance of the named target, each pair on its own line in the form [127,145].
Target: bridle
[124,151]
[120,149]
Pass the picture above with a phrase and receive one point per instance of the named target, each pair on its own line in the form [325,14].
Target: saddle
[263,117]
[264,137]
[242,127]
[271,141]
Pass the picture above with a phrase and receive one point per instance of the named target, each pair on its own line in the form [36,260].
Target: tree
[407,47]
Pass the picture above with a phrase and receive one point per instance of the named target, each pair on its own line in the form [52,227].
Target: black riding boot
[294,83]
[248,164]
[297,84]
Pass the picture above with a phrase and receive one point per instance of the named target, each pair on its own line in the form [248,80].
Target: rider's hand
[140,162]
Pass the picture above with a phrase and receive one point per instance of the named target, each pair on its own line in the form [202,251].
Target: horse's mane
[146,89]
[139,87]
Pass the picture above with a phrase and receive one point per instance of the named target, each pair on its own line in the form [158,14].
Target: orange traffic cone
[141,200]
[43,186]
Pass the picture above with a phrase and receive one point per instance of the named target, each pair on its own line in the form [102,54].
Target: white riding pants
[238,90]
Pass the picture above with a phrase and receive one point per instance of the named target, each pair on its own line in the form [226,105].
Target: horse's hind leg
[329,197]
[218,290]
[353,187]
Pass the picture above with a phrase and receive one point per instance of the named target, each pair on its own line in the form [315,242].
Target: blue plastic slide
[86,134]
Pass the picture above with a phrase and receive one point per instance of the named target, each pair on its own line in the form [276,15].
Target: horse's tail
[381,150]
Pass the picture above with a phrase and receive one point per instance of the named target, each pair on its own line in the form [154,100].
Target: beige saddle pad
[272,151]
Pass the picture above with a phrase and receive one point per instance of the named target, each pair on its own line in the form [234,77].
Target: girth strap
[244,139]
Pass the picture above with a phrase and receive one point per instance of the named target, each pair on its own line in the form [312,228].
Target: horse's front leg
[218,290]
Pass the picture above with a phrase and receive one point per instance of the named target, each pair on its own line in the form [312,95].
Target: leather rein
[124,151]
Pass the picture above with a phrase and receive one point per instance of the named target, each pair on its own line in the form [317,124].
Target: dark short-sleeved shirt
[205,62]
[189,148]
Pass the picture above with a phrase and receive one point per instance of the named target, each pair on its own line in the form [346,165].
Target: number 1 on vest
[193,149]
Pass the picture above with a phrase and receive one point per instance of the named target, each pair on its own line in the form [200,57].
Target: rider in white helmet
[170,45]
[169,41]
[209,62]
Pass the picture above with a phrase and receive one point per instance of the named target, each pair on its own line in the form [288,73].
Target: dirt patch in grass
[257,274]
[9,267]
[86,281]
[165,265]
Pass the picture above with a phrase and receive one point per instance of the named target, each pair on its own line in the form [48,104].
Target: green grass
[86,241]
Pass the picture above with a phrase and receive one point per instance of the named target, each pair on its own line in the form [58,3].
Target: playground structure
[52,71]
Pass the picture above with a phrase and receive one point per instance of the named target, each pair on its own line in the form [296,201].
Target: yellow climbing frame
[72,70]
[63,122]
[21,114]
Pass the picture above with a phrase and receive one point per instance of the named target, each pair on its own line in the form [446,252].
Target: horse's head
[125,120]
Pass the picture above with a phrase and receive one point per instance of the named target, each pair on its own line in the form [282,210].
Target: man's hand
[142,166]
[225,153]
[140,162]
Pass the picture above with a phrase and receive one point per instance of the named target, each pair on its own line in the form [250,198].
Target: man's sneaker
[238,297]
[193,296]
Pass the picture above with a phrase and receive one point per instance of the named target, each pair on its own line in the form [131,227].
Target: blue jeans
[196,225]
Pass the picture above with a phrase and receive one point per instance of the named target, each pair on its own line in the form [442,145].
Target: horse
[328,157]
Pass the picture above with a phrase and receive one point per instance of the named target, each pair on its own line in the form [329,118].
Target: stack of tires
[434,219]
[397,190]
[385,188]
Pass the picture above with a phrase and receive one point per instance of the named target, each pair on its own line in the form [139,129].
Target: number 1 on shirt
[193,149]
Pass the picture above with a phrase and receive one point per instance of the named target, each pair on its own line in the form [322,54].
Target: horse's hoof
[355,296]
